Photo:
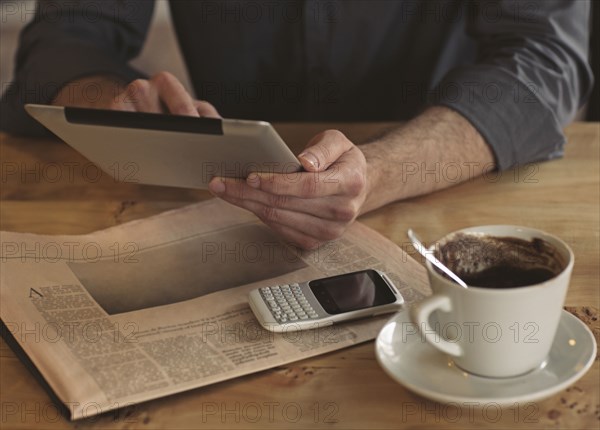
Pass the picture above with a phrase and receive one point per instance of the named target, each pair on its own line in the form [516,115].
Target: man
[485,84]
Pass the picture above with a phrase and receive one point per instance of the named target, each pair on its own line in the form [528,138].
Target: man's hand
[319,204]
[310,207]
[340,181]
[162,93]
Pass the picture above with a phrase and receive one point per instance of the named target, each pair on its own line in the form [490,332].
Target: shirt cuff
[517,125]
[49,70]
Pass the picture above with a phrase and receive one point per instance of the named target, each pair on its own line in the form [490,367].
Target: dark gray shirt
[516,69]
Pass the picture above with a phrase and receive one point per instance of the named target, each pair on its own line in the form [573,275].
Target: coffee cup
[504,323]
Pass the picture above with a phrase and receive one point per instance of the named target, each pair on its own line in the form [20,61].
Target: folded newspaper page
[160,305]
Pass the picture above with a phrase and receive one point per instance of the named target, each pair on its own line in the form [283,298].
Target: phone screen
[352,291]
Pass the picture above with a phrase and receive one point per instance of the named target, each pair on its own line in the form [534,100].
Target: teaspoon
[418,245]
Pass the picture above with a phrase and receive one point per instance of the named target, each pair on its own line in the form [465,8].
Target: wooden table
[49,188]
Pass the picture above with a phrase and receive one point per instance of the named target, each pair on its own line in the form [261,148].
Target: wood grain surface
[46,187]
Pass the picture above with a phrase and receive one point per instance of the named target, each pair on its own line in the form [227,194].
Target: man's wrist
[405,162]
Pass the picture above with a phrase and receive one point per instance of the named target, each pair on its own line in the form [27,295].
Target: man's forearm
[437,149]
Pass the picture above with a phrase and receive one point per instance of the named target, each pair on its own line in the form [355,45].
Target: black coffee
[507,277]
[500,262]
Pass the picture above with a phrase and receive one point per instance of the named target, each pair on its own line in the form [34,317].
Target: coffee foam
[469,253]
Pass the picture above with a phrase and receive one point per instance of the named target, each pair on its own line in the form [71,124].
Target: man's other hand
[162,93]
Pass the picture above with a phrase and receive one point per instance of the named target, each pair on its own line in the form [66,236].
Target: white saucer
[420,367]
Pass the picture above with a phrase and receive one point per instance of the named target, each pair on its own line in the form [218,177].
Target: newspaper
[158,306]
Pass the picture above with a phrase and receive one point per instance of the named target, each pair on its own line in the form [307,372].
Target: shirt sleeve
[529,80]
[68,40]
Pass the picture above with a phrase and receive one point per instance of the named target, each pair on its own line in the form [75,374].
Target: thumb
[324,149]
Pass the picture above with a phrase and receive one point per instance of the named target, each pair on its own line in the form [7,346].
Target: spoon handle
[418,245]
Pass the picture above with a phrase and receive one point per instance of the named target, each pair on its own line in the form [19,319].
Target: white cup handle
[420,316]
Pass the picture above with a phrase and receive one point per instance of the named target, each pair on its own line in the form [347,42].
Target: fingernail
[216,186]
[253,180]
[310,158]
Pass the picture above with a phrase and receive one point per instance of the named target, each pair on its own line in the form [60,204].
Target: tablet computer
[170,150]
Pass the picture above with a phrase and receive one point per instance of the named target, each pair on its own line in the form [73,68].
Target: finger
[335,208]
[118,103]
[323,150]
[141,96]
[344,177]
[295,237]
[314,230]
[173,94]
[204,108]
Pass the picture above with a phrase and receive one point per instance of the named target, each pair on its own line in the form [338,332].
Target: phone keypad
[287,303]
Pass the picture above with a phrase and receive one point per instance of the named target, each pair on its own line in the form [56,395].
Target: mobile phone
[323,302]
